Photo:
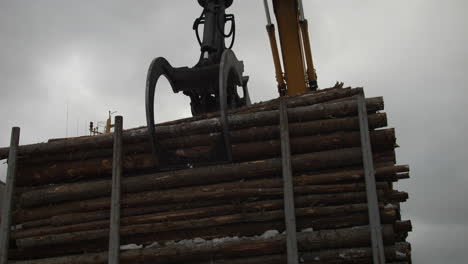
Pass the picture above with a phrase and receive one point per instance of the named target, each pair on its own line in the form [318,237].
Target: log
[152,224]
[299,114]
[345,176]
[388,216]
[238,188]
[194,194]
[74,218]
[270,259]
[59,172]
[22,215]
[252,134]
[398,252]
[236,230]
[403,226]
[381,140]
[138,199]
[315,97]
[197,213]
[252,228]
[75,170]
[78,170]
[135,135]
[347,255]
[317,240]
[198,176]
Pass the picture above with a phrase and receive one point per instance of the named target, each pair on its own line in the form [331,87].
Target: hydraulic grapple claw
[212,84]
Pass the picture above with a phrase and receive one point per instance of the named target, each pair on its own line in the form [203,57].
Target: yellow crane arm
[299,73]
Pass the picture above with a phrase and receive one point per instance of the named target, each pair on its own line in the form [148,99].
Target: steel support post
[371,189]
[288,188]
[5,225]
[114,235]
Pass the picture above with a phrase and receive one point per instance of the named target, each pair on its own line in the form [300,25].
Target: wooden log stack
[209,210]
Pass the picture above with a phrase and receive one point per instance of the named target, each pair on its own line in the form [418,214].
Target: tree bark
[389,173]
[236,190]
[75,170]
[304,113]
[387,215]
[222,199]
[343,256]
[252,134]
[83,217]
[318,240]
[197,213]
[205,175]
[239,230]
[317,97]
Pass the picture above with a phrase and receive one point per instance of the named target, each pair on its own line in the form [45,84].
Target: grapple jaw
[215,83]
[211,88]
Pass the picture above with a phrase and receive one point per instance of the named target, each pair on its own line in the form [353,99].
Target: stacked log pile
[215,212]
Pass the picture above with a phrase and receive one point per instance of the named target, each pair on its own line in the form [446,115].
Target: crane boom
[299,73]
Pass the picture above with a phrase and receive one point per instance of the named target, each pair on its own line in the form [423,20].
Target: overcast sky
[92,56]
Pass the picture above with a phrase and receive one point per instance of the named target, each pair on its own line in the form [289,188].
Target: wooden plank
[289,211]
[114,236]
[378,253]
[5,224]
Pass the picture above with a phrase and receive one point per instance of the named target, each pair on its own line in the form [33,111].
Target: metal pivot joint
[215,83]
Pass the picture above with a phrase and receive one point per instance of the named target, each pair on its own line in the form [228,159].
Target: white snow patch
[225,239]
[185,242]
[390,206]
[153,245]
[130,246]
[199,240]
[270,234]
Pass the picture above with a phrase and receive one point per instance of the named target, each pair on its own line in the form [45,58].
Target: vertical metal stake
[267,11]
[371,189]
[288,189]
[114,235]
[5,225]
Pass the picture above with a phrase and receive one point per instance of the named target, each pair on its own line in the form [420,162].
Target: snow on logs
[63,190]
